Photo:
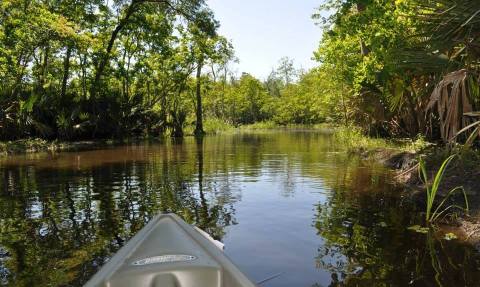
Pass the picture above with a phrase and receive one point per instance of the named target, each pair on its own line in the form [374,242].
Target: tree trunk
[66,71]
[223,91]
[344,105]
[104,61]
[178,118]
[363,47]
[198,112]
[106,57]
[163,111]
[43,73]
[18,81]
[413,112]
[83,64]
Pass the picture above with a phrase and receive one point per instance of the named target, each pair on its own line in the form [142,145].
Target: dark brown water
[282,202]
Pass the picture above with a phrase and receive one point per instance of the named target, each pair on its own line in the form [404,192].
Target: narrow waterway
[289,202]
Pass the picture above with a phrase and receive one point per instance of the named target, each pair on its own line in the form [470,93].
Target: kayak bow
[168,252]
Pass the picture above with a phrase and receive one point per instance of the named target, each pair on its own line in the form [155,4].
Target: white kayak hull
[168,252]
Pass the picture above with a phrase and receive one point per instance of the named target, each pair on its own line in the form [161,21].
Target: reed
[433,214]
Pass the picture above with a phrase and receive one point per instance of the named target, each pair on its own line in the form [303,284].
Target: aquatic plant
[432,214]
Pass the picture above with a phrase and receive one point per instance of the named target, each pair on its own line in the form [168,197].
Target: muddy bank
[28,146]
[464,171]
[39,145]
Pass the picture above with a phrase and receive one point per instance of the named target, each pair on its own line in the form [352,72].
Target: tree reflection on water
[362,243]
[61,233]
[303,207]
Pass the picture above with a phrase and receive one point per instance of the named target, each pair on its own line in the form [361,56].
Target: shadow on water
[287,202]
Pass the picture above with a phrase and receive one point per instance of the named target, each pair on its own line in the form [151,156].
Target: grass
[354,140]
[216,126]
[211,126]
[271,125]
[433,215]
[266,125]
[350,138]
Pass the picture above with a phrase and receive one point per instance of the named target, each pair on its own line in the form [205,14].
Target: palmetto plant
[452,27]
[434,212]
[453,98]
[452,32]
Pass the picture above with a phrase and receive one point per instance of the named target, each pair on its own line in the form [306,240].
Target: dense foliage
[409,66]
[96,68]
[73,69]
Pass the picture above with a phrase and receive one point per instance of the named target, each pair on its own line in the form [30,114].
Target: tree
[274,84]
[286,70]
[78,70]
[248,101]
[207,45]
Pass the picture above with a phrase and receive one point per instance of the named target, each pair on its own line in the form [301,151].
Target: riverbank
[350,139]
[34,145]
[463,171]
[399,155]
[31,146]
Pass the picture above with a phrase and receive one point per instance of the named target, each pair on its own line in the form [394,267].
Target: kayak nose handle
[164,259]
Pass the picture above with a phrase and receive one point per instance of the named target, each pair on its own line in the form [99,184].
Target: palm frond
[452,26]
[451,97]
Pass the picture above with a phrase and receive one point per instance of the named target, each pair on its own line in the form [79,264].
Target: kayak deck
[168,252]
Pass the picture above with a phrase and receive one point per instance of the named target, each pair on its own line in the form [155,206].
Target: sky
[263,31]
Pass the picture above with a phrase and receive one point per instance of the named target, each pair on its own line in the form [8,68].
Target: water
[288,202]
